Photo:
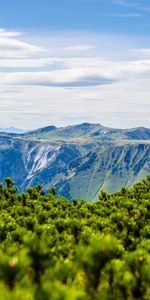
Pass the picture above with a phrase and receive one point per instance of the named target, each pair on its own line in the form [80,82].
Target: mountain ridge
[12,130]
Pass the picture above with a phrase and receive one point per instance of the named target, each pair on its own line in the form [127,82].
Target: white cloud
[143,52]
[6,34]
[12,47]
[16,44]
[97,81]
[79,48]
[124,104]
[75,70]
[29,63]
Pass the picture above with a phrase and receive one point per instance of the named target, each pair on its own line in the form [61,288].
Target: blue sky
[65,62]
[98,15]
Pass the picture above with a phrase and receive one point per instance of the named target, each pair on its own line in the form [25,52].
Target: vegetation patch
[51,248]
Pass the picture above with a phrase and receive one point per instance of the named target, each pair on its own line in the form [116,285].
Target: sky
[67,62]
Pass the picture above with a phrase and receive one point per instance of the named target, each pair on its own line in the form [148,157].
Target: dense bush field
[59,250]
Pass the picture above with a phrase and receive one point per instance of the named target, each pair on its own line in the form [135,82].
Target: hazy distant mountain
[12,130]
[78,160]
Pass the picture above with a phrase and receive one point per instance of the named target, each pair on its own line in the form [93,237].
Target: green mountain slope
[110,169]
[78,160]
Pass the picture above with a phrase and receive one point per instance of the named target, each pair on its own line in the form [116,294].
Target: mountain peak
[43,130]
[87,125]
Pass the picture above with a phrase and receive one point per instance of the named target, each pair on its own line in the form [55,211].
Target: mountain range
[12,130]
[77,160]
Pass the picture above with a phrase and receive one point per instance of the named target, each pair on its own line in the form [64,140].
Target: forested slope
[51,248]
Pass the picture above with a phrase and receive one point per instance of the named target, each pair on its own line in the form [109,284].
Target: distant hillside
[12,130]
[78,160]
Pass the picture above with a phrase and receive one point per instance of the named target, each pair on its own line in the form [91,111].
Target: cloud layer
[78,80]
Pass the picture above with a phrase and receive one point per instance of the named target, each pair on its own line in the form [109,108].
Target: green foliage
[55,249]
